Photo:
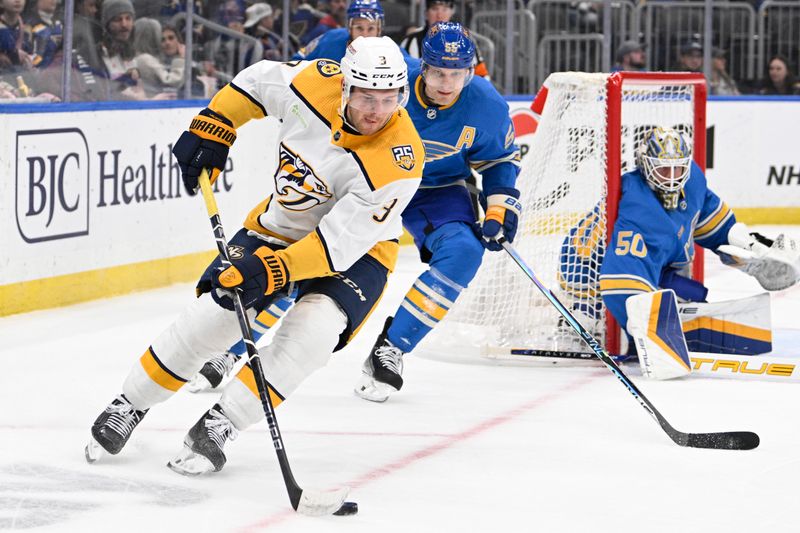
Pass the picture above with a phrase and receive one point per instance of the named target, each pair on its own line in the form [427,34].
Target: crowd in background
[133,49]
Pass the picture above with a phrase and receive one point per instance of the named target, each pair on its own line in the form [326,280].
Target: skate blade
[199,383]
[93,451]
[189,463]
[373,391]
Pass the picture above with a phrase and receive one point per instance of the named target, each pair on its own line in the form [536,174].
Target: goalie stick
[728,440]
[308,502]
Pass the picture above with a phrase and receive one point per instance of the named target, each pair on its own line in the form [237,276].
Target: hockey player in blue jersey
[465,125]
[666,207]
[364,19]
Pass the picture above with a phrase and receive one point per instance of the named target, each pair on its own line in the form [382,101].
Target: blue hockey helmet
[365,9]
[665,158]
[448,45]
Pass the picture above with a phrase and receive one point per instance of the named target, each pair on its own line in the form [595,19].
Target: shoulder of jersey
[481,94]
[319,86]
[397,154]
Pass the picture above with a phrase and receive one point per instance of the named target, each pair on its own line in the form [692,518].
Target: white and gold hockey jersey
[338,194]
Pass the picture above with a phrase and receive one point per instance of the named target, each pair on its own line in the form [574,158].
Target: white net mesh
[563,189]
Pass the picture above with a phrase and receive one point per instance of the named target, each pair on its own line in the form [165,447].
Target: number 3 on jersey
[386,210]
[630,242]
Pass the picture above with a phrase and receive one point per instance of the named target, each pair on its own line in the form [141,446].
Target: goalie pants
[328,313]
[441,220]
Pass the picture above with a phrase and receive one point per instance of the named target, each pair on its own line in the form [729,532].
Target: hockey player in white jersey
[349,161]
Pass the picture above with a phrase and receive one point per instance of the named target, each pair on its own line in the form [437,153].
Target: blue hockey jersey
[330,45]
[649,241]
[474,131]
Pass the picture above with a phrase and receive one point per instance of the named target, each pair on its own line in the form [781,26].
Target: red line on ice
[447,442]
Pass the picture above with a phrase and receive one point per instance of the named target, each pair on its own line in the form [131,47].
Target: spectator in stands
[15,45]
[46,32]
[721,83]
[159,80]
[335,18]
[87,32]
[259,24]
[364,19]
[437,11]
[116,49]
[779,80]
[690,58]
[630,57]
[302,19]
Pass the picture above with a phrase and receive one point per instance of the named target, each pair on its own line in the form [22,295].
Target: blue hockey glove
[503,210]
[256,275]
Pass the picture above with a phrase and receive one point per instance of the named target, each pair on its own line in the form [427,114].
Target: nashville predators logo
[328,68]
[298,188]
[404,156]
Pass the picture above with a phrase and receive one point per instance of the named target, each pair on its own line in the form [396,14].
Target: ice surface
[462,447]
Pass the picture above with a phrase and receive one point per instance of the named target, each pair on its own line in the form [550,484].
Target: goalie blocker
[660,328]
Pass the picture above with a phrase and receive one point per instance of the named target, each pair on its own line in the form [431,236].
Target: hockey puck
[347,508]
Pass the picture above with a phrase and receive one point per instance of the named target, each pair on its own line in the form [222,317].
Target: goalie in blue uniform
[465,126]
[666,206]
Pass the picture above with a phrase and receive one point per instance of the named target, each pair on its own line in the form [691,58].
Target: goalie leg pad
[654,324]
[302,344]
[740,326]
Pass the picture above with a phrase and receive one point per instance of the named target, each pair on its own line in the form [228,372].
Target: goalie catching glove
[205,145]
[261,273]
[503,210]
[774,264]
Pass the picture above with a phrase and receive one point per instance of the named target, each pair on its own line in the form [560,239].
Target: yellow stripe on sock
[426,304]
[158,373]
[247,377]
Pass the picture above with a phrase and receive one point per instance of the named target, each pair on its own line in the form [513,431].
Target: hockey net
[569,186]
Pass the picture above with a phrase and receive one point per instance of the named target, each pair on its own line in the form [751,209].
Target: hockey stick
[728,440]
[308,502]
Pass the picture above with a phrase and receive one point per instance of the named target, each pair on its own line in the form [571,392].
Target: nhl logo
[431,113]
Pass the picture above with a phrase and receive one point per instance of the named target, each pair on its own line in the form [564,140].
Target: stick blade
[319,503]
[731,440]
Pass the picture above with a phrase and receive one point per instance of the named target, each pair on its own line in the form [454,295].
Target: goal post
[615,90]
[569,186]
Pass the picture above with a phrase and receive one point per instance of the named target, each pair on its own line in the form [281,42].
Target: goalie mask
[665,158]
[447,46]
[373,63]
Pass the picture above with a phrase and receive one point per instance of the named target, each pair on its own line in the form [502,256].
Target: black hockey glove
[261,273]
[205,145]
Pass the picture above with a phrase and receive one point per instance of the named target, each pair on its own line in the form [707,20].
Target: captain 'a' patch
[404,156]
[296,184]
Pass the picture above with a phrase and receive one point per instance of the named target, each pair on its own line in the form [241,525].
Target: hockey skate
[213,372]
[382,370]
[112,428]
[203,445]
